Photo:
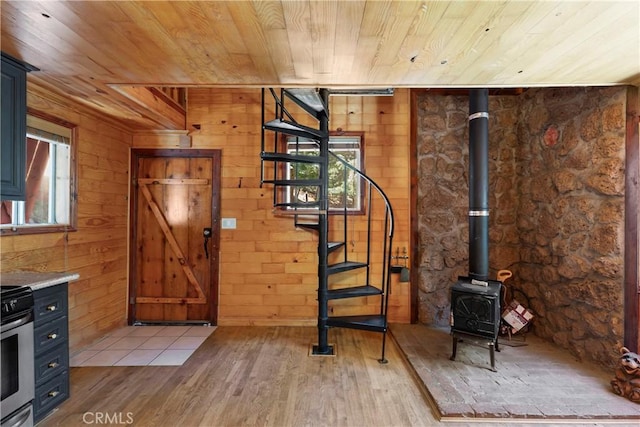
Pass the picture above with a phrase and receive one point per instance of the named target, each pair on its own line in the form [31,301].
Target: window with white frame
[49,204]
[345,186]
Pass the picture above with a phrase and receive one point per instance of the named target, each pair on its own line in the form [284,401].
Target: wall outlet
[228,223]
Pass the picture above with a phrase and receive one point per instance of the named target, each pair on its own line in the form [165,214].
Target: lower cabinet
[51,339]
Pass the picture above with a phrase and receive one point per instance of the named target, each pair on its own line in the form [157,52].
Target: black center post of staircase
[323,346]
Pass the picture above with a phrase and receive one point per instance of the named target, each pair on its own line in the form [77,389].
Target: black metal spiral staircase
[280,167]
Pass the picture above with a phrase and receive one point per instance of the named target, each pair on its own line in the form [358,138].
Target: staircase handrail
[374,184]
[279,100]
[387,250]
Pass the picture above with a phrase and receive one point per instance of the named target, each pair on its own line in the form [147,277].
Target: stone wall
[443,195]
[556,172]
[570,177]
[442,201]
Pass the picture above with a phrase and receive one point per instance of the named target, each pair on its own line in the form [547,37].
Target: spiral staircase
[306,199]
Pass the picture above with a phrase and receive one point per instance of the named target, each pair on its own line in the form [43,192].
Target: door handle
[206,233]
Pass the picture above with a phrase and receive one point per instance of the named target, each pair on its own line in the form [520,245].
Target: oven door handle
[16,323]
[19,418]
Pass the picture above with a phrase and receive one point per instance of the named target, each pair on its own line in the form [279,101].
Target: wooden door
[175,236]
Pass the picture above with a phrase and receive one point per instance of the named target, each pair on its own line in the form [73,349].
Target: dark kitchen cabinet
[13,119]
[51,348]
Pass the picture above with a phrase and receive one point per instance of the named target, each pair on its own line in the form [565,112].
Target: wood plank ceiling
[87,49]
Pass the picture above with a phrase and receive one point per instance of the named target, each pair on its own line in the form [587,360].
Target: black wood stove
[475,300]
[475,312]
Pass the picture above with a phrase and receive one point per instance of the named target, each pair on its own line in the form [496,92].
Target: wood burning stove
[475,312]
[475,307]
[475,300]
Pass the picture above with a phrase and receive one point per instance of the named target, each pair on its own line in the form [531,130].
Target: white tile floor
[144,345]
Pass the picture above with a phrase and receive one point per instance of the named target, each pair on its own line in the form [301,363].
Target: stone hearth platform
[534,382]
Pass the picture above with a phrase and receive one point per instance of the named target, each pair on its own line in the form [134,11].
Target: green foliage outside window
[348,150]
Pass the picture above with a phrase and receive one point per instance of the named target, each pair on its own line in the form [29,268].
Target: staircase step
[308,226]
[309,100]
[345,266]
[354,292]
[307,206]
[308,220]
[299,212]
[334,246]
[292,158]
[294,182]
[295,129]
[372,322]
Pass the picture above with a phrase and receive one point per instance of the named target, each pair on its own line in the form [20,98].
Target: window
[344,183]
[50,181]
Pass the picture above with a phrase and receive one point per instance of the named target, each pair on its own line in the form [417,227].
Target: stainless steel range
[17,357]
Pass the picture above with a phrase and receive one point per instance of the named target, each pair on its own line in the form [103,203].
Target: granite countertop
[34,279]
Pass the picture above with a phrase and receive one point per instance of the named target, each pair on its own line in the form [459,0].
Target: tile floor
[144,345]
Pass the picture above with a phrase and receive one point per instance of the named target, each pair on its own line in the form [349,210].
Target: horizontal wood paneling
[268,271]
[98,249]
[268,268]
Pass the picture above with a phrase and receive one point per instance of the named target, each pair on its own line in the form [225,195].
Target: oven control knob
[9,306]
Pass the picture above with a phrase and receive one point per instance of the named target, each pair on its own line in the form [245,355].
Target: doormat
[158,345]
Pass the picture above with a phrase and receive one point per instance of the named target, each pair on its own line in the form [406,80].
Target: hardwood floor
[248,376]
[263,376]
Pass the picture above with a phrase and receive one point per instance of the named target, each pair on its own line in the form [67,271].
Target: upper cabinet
[13,132]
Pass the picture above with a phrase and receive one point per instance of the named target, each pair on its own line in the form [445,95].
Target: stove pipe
[479,184]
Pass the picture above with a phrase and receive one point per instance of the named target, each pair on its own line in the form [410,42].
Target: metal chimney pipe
[479,184]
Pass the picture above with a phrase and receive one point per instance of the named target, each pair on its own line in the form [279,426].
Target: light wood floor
[255,376]
[258,376]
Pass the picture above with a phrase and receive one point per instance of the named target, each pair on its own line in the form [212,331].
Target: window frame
[25,229]
[363,187]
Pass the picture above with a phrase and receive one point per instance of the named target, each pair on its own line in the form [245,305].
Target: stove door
[17,371]
[475,314]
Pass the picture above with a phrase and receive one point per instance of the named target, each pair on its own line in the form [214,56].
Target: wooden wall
[98,249]
[268,268]
[385,123]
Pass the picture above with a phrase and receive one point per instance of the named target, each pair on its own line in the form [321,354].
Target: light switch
[228,223]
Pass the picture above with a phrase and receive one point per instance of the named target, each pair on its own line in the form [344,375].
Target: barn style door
[175,236]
